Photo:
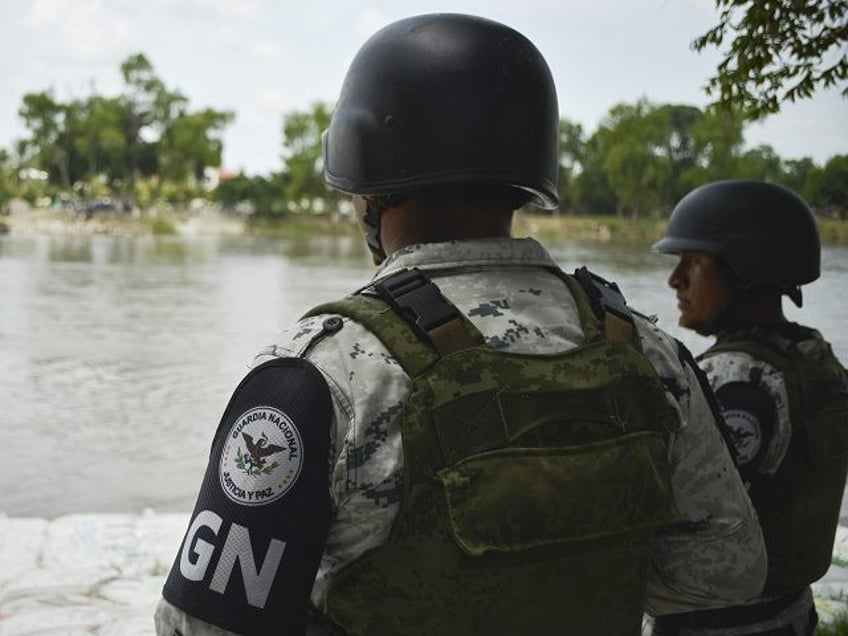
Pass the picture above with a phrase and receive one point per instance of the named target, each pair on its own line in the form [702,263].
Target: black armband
[257,533]
[750,416]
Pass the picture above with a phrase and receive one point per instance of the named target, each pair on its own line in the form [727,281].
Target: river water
[118,354]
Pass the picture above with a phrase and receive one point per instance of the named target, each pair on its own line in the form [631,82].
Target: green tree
[718,137]
[303,158]
[761,163]
[46,148]
[643,157]
[190,143]
[266,195]
[151,109]
[7,186]
[777,51]
[802,176]
[100,139]
[832,192]
[109,143]
[571,144]
[632,138]
[677,124]
[592,188]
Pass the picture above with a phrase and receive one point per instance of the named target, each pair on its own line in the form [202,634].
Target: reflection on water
[118,354]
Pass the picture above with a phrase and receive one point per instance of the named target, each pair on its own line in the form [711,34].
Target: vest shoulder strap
[411,317]
[777,351]
[608,306]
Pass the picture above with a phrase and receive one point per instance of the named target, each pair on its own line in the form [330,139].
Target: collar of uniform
[791,332]
[468,255]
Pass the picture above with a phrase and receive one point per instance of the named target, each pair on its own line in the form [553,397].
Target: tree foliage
[777,51]
[147,131]
[6,184]
[572,141]
[832,191]
[191,142]
[303,156]
[644,157]
[718,138]
[149,145]
[47,147]
[634,166]
[263,196]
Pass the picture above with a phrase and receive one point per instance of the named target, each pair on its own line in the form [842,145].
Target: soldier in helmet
[474,442]
[742,245]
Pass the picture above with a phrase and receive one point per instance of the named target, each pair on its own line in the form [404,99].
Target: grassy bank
[300,225]
[593,229]
[547,228]
[838,627]
[613,229]
[833,231]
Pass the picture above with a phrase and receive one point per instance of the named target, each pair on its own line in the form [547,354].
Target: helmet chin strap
[720,322]
[374,208]
[795,295]
[727,315]
[371,229]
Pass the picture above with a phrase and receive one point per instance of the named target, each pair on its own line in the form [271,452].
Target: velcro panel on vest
[483,399]
[565,494]
[257,533]
[488,419]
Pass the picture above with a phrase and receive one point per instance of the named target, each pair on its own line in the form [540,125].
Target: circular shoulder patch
[261,457]
[745,432]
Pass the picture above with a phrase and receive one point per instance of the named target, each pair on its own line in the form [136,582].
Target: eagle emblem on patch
[745,433]
[261,457]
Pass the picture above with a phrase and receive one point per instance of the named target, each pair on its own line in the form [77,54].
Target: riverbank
[619,230]
[102,574]
[208,220]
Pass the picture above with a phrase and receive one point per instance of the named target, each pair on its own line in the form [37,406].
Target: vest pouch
[516,499]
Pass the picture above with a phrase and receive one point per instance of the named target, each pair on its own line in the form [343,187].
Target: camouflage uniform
[758,414]
[504,286]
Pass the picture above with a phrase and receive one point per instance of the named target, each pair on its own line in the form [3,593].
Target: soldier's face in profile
[701,292]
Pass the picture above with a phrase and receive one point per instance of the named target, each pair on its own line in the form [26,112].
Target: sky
[262,59]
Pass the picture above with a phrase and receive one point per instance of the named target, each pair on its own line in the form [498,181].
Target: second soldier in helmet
[742,245]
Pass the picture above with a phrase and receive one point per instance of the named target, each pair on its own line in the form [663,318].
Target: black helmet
[764,231]
[445,99]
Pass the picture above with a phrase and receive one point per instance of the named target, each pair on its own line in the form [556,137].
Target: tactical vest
[532,484]
[798,506]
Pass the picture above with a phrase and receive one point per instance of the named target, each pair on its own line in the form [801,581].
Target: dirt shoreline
[210,221]
[47,221]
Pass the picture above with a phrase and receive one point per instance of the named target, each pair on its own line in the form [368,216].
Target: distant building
[212,176]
